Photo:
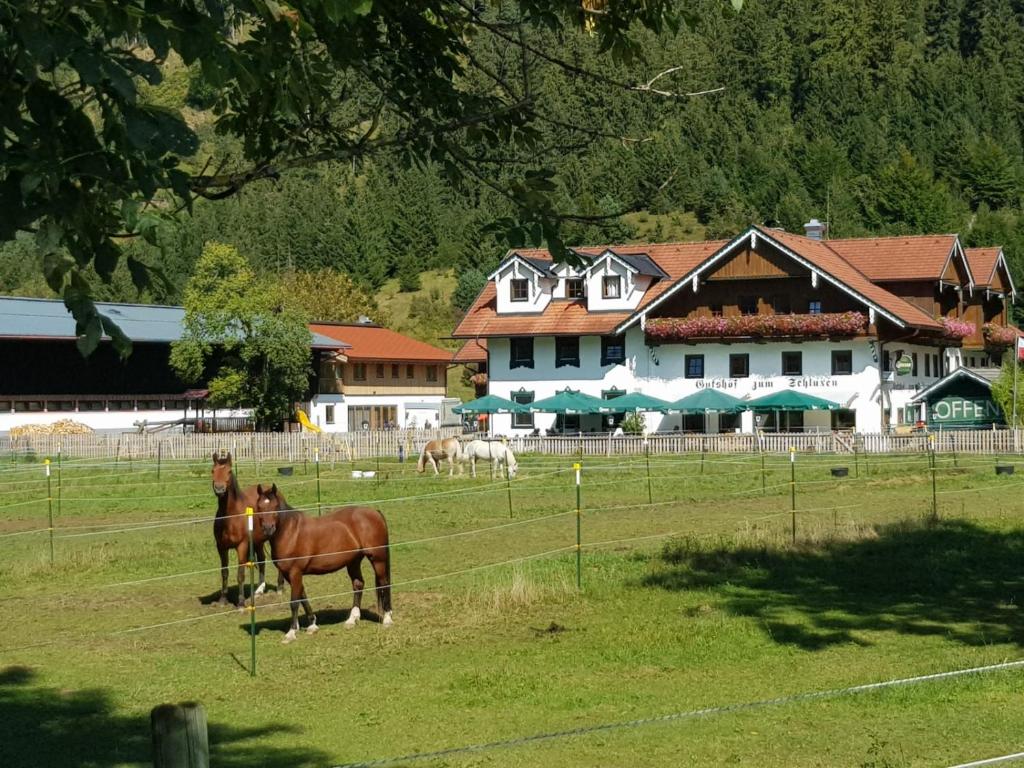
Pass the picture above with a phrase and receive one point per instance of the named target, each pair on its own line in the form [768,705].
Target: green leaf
[139,273]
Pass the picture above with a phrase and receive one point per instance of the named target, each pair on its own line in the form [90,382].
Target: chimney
[815,230]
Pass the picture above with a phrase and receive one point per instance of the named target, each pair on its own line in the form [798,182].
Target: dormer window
[519,289]
[611,287]
[574,288]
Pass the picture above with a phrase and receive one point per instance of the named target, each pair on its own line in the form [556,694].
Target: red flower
[755,326]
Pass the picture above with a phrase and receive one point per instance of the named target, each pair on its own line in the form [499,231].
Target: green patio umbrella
[634,401]
[490,404]
[708,401]
[791,400]
[568,401]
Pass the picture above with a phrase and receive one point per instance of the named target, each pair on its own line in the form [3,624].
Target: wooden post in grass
[252,593]
[49,505]
[647,458]
[955,462]
[159,457]
[792,487]
[316,460]
[60,484]
[579,522]
[180,737]
[703,450]
[935,502]
[856,459]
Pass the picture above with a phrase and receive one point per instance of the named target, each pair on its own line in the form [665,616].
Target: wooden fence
[274,446]
[296,446]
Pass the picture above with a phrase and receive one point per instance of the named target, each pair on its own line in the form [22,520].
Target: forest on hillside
[885,116]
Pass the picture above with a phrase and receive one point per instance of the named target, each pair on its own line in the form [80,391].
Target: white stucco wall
[660,371]
[539,289]
[409,408]
[104,421]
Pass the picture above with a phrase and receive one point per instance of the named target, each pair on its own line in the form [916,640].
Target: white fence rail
[286,446]
[350,446]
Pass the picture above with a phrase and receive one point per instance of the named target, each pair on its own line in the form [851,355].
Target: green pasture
[693,596]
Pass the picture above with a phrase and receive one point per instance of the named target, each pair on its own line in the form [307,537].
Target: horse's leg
[311,628]
[472,465]
[243,557]
[355,572]
[295,580]
[433,463]
[261,559]
[382,581]
[223,576]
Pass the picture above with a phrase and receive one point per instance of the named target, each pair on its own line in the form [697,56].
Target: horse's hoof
[353,617]
[240,606]
[387,622]
[312,629]
[261,588]
[289,637]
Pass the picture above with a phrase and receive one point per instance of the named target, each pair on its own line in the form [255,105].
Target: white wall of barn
[104,421]
[660,371]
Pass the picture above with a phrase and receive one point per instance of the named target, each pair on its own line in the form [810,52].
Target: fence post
[252,593]
[579,522]
[856,459]
[159,458]
[792,487]
[955,462]
[49,505]
[60,484]
[703,450]
[316,460]
[180,738]
[647,459]
[935,503]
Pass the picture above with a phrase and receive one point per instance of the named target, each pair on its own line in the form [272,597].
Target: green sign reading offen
[964,411]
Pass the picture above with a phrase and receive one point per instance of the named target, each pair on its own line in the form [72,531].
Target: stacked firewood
[62,427]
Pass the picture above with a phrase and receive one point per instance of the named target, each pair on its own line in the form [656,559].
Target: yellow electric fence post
[49,505]
[792,487]
[579,543]
[252,594]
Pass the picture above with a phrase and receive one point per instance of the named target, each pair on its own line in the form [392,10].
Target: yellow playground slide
[308,425]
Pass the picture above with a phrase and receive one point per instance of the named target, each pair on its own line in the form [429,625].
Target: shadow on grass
[953,579]
[324,618]
[51,727]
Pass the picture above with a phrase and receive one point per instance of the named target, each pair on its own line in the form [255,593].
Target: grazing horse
[311,546]
[230,529]
[436,450]
[491,451]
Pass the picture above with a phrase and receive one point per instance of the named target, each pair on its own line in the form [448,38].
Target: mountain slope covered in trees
[885,116]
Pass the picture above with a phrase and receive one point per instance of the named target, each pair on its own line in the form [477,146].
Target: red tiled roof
[983,264]
[572,317]
[916,257]
[855,263]
[372,342]
[473,351]
[823,256]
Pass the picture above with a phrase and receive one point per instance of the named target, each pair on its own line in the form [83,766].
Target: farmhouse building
[864,323]
[363,374]
[380,380]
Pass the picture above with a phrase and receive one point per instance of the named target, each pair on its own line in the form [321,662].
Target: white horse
[494,452]
[438,450]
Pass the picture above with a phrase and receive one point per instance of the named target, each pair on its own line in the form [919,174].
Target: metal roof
[22,318]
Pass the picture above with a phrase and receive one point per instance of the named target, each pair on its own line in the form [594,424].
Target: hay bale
[61,427]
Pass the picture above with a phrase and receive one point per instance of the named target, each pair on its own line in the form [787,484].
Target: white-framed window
[519,289]
[328,414]
[611,287]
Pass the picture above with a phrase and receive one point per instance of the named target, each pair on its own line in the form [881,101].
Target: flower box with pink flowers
[998,335]
[957,329]
[821,325]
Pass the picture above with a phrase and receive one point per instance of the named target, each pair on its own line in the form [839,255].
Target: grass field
[697,600]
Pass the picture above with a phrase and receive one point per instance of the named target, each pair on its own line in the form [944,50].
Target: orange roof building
[378,379]
[763,311]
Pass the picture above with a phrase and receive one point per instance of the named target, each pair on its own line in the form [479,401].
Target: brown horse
[312,546]
[438,450]
[230,529]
